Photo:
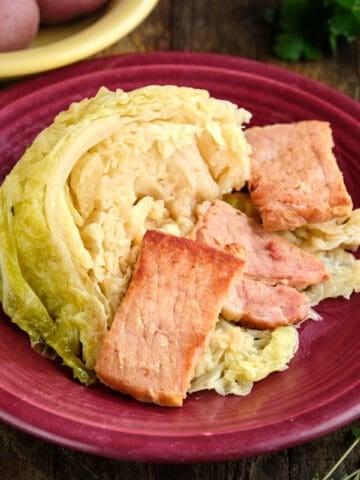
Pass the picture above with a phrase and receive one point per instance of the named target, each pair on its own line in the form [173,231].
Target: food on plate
[256,304]
[238,357]
[158,163]
[166,318]
[19,20]
[266,297]
[58,11]
[74,209]
[269,257]
[299,157]
[333,243]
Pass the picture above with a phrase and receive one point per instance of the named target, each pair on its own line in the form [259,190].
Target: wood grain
[234,27]
[23,457]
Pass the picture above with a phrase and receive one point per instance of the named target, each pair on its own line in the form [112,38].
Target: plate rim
[168,57]
[186,448]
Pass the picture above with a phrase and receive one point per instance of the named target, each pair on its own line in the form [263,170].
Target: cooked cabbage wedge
[75,207]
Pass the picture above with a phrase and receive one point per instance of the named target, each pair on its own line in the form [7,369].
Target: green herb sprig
[352,476]
[310,29]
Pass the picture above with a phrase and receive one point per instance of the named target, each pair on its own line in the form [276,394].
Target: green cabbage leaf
[75,207]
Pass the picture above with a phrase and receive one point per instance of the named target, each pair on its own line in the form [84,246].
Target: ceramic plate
[70,42]
[318,393]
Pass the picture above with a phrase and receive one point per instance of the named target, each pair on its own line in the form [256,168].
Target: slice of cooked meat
[255,304]
[295,179]
[166,318]
[269,257]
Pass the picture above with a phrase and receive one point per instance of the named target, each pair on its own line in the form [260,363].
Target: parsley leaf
[291,47]
[308,29]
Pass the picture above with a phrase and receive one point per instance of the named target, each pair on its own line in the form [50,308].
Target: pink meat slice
[166,318]
[295,179]
[269,257]
[258,305]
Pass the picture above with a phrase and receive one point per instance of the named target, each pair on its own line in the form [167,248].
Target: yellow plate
[61,45]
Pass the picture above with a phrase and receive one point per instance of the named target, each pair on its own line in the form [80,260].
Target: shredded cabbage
[332,242]
[237,357]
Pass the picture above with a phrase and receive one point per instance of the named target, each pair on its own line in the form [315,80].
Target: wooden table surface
[223,26]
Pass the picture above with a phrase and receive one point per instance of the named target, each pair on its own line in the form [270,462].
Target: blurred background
[237,27]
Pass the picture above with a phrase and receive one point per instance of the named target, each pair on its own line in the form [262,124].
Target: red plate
[317,394]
